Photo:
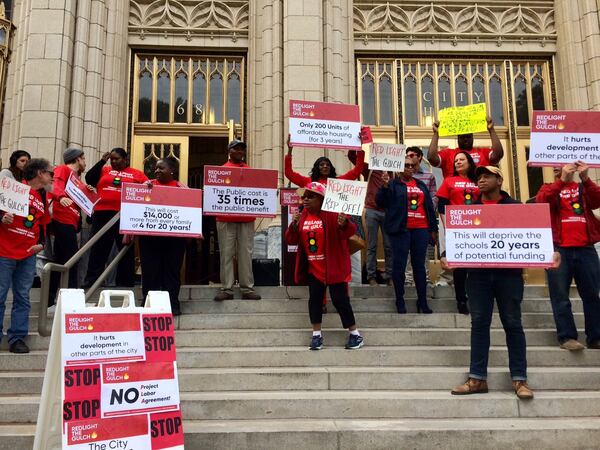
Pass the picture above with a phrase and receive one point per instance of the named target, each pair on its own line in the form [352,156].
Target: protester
[506,287]
[18,160]
[444,159]
[460,189]
[374,219]
[411,224]
[66,217]
[416,156]
[21,238]
[108,181]
[575,230]
[322,169]
[161,257]
[323,260]
[236,240]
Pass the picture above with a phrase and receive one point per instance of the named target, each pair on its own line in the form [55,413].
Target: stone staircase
[248,380]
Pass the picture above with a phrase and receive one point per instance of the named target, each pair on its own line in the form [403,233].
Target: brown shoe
[522,390]
[372,282]
[250,296]
[471,386]
[572,345]
[222,295]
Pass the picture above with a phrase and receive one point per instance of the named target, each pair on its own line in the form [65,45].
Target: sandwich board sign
[111,376]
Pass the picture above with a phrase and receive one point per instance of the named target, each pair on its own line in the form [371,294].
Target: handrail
[44,329]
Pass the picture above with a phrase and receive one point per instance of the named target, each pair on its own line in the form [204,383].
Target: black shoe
[401,307]
[250,296]
[462,308]
[423,308]
[594,345]
[19,347]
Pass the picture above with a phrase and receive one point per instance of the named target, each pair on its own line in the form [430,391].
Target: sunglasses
[49,172]
[412,155]
[409,166]
[308,196]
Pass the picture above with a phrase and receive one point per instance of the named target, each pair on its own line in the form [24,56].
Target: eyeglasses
[409,166]
[412,155]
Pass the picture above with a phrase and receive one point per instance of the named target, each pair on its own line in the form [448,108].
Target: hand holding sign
[345,196]
[463,120]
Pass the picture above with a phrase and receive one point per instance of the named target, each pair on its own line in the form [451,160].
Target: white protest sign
[81,195]
[14,197]
[499,236]
[564,137]
[318,124]
[345,196]
[388,157]
[161,211]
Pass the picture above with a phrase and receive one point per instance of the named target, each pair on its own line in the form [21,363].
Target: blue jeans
[506,286]
[582,264]
[374,220]
[19,274]
[414,241]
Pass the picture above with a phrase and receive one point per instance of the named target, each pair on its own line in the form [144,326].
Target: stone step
[334,337]
[363,320]
[352,405]
[447,305]
[334,434]
[340,378]
[300,356]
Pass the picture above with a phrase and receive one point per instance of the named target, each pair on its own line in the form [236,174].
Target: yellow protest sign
[463,120]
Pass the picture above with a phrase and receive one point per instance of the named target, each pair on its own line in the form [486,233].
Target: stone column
[38,85]
[67,82]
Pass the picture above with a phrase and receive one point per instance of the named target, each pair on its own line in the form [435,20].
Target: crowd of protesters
[406,208]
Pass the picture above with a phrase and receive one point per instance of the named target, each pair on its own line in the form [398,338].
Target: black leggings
[460,278]
[65,246]
[339,298]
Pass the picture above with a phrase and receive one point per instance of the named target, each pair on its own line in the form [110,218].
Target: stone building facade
[182,76]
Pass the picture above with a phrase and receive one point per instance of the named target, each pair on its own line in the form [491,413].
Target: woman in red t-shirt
[323,260]
[108,180]
[161,257]
[459,189]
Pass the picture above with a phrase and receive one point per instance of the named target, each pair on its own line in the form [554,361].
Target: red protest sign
[161,211]
[78,192]
[289,197]
[240,191]
[499,236]
[564,137]
[330,125]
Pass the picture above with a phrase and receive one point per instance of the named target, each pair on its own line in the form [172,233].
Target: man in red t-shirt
[444,159]
[21,238]
[575,230]
[236,239]
[66,216]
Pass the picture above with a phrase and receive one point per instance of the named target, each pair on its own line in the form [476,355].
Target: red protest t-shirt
[417,216]
[109,186]
[312,236]
[24,232]
[172,183]
[574,231]
[481,157]
[490,202]
[68,215]
[458,191]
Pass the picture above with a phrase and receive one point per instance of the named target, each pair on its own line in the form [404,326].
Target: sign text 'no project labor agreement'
[564,137]
[330,125]
[500,236]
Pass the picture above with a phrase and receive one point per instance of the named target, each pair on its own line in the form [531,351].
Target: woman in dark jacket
[322,260]
[411,224]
